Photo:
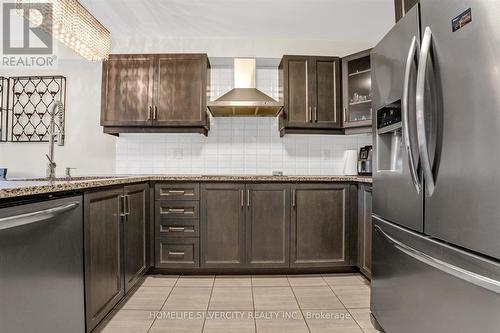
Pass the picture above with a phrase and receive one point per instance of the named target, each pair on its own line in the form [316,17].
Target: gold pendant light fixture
[71,24]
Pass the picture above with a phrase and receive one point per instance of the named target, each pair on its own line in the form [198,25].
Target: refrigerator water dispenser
[389,138]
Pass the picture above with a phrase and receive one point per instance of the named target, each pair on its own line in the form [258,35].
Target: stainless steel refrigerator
[436,193]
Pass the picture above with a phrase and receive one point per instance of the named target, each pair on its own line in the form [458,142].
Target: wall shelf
[360,102]
[360,72]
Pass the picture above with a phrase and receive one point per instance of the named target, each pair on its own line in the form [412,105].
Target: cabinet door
[356,85]
[134,232]
[402,7]
[104,285]
[326,92]
[319,234]
[222,225]
[181,90]
[127,90]
[267,225]
[296,81]
[365,229]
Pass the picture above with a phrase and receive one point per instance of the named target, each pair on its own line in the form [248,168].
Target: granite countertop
[26,187]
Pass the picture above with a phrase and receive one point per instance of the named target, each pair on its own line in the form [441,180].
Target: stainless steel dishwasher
[41,267]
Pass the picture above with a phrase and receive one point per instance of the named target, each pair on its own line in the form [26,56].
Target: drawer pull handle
[175,254]
[176,210]
[175,192]
[176,229]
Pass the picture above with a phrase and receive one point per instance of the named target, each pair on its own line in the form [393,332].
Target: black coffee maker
[365,166]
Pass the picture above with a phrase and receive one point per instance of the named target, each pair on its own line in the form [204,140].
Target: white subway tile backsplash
[236,145]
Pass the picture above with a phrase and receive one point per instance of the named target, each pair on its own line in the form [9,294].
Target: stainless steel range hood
[244,100]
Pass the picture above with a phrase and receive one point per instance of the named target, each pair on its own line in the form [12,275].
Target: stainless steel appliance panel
[394,193]
[420,285]
[464,206]
[41,267]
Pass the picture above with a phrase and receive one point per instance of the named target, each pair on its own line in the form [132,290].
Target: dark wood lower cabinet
[178,252]
[365,229]
[134,233]
[260,226]
[222,227]
[104,283]
[320,232]
[267,225]
[116,221]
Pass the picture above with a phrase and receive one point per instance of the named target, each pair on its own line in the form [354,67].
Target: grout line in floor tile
[352,316]
[253,303]
[345,307]
[298,304]
[171,290]
[208,305]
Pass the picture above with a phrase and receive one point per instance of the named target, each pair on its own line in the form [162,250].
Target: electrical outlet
[178,153]
[326,154]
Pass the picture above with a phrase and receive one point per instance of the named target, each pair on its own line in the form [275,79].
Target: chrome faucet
[55,110]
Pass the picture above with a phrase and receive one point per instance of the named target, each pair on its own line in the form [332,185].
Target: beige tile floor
[337,303]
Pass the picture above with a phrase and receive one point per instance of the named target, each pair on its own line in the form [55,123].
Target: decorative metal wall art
[30,102]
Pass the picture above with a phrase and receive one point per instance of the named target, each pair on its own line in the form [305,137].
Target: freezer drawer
[420,285]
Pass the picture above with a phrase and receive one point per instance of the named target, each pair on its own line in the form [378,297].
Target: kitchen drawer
[177,191]
[177,252]
[167,210]
[179,227]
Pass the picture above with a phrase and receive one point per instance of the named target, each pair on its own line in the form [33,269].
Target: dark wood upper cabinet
[296,83]
[267,225]
[155,93]
[134,232]
[104,283]
[311,95]
[356,94]
[127,90]
[326,109]
[319,223]
[222,225]
[181,93]
[401,7]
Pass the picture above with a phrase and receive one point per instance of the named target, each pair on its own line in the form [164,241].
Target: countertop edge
[33,188]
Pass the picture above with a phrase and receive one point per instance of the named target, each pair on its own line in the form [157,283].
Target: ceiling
[334,20]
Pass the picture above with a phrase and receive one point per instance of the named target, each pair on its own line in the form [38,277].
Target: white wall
[86,147]
[239,47]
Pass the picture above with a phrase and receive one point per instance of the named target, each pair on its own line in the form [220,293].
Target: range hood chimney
[244,100]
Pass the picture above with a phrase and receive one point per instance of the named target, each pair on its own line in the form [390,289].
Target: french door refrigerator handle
[34,217]
[463,274]
[412,54]
[420,110]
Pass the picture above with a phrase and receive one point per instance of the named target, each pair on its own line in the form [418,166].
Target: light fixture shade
[72,25]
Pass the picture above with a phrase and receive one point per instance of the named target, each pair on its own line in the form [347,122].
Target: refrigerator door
[421,285]
[464,51]
[395,195]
